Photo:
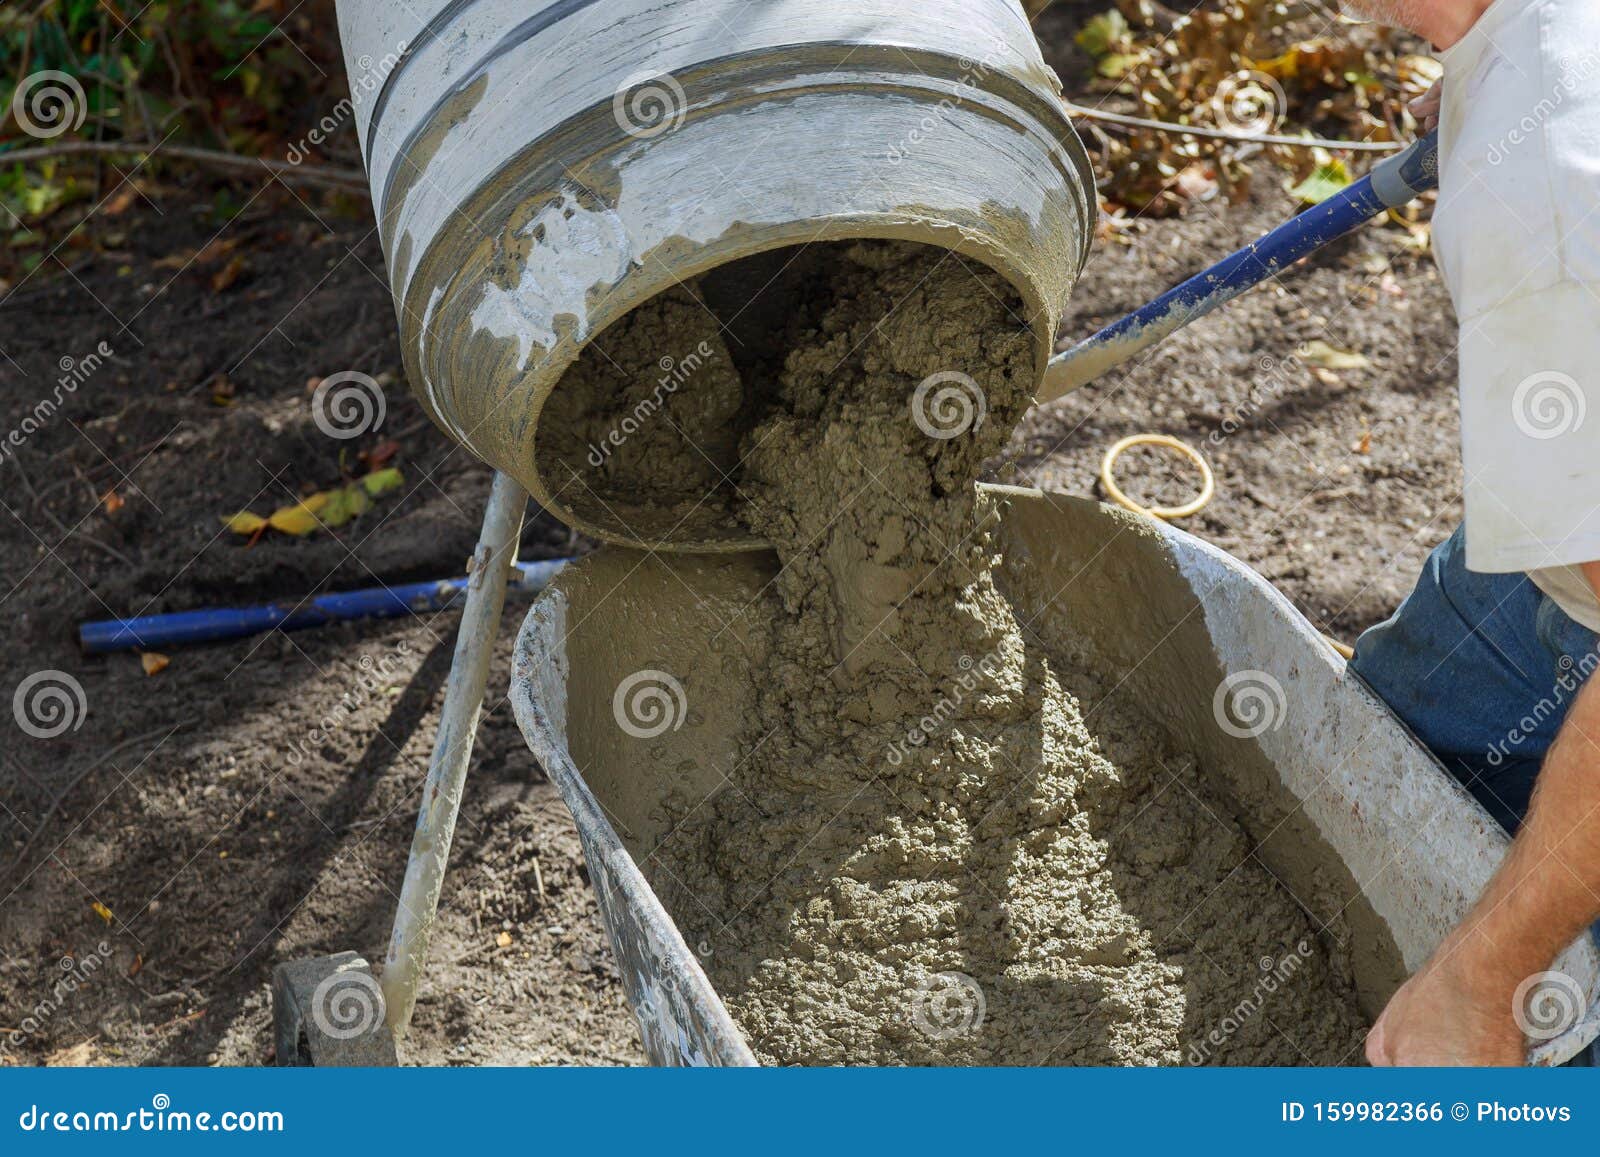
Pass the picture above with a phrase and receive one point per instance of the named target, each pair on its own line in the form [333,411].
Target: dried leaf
[1197,182]
[244,522]
[228,274]
[380,482]
[343,505]
[379,455]
[1326,180]
[153,662]
[78,1056]
[120,201]
[1118,64]
[1100,34]
[216,250]
[1418,238]
[1320,353]
[301,518]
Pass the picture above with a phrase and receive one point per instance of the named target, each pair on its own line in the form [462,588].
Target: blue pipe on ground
[152,632]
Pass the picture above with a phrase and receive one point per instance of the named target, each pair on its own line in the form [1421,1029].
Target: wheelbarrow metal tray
[1360,822]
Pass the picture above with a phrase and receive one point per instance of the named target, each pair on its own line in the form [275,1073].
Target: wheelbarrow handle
[1394,181]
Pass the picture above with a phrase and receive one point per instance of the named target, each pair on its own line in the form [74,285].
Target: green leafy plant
[235,76]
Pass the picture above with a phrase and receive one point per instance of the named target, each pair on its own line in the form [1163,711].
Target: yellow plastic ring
[1208,484]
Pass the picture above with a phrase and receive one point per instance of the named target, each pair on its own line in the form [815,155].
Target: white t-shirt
[1517,237]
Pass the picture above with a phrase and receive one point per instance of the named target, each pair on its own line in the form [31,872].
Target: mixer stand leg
[452,750]
[489,572]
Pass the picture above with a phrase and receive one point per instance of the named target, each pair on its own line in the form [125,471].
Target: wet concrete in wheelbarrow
[926,853]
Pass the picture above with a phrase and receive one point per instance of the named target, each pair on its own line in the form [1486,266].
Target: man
[1487,658]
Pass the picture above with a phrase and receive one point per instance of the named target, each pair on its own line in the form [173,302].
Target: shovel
[1393,182]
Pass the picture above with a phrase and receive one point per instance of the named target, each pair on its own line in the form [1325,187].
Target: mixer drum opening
[641,438]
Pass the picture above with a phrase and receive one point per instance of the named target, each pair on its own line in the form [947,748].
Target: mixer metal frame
[304,1024]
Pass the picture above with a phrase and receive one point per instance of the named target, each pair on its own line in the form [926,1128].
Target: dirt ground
[199,825]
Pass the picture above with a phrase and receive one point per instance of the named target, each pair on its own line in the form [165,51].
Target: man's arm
[1458,1009]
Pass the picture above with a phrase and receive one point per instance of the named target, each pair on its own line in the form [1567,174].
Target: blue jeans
[1483,668]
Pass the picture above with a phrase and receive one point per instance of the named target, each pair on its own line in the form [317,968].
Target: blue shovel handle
[1391,183]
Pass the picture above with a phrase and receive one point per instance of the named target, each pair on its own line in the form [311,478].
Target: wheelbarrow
[1343,804]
